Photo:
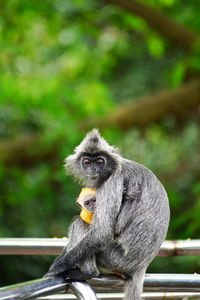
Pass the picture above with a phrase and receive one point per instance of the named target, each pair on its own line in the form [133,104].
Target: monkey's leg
[89,267]
[85,270]
[114,259]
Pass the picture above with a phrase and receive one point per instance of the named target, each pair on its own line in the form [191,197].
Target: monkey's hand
[59,267]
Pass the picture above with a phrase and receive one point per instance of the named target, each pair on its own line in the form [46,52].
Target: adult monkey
[130,220]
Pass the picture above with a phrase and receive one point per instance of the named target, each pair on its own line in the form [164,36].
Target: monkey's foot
[78,275]
[120,274]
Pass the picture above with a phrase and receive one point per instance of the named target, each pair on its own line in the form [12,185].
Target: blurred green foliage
[64,61]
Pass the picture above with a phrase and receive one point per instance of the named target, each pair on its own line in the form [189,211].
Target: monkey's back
[143,220]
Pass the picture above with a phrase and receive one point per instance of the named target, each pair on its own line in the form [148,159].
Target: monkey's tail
[134,286]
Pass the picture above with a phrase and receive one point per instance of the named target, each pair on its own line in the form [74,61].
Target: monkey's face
[90,204]
[93,165]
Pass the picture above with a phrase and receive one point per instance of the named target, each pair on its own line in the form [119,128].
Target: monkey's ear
[72,167]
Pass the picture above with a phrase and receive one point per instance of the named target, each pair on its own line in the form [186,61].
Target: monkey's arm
[101,231]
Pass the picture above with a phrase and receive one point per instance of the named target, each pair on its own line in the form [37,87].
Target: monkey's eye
[86,161]
[100,161]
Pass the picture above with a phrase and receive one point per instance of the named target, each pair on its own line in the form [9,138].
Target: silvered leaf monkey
[130,220]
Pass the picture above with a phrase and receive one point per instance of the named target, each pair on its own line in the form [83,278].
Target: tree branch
[184,168]
[165,25]
[153,108]
[27,150]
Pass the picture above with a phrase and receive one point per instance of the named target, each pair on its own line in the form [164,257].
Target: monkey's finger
[59,266]
[57,271]
[77,275]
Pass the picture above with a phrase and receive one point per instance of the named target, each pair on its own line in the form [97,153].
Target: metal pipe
[32,246]
[119,296]
[24,246]
[46,286]
[83,291]
[152,283]
[172,282]
[34,288]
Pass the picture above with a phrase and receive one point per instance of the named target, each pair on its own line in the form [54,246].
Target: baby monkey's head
[87,199]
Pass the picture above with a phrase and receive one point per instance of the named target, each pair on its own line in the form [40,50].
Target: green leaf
[177,74]
[156,46]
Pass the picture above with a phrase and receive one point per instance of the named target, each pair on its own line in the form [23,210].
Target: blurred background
[129,68]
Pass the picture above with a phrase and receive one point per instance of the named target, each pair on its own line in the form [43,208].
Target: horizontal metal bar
[32,246]
[40,246]
[46,286]
[169,295]
[152,283]
[180,247]
[119,296]
[33,289]
[172,282]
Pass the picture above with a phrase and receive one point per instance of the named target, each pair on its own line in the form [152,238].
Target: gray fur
[129,224]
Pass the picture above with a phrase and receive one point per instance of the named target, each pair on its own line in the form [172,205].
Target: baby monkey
[87,202]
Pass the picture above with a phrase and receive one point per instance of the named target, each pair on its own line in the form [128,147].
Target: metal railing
[160,286]
[41,246]
[159,283]
[45,286]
